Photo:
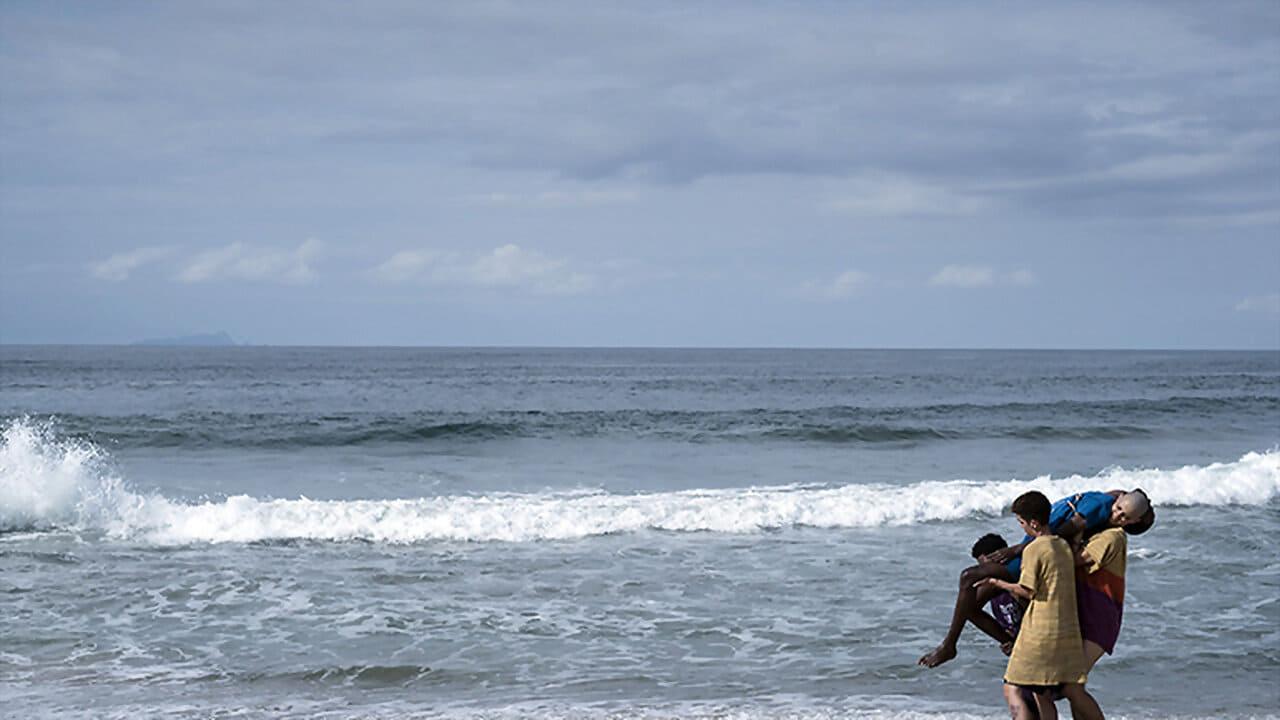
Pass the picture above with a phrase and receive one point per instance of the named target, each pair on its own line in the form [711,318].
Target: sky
[706,174]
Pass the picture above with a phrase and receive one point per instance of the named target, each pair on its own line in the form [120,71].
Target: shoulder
[1109,539]
[1043,545]
[1049,548]
[1057,545]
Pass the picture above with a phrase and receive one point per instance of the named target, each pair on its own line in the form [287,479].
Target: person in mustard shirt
[1048,653]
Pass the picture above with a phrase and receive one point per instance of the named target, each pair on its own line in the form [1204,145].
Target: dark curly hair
[988,544]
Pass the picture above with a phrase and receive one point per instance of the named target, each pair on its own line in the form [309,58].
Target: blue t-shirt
[1094,507]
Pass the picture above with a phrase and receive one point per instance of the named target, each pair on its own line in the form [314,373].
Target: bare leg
[1092,653]
[969,609]
[1044,703]
[1018,709]
[1083,706]
[982,619]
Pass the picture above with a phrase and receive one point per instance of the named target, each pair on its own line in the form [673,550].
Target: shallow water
[258,532]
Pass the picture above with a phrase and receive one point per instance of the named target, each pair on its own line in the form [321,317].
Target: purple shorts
[1007,611]
[1099,617]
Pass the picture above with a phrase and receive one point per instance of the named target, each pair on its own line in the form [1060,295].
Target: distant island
[218,339]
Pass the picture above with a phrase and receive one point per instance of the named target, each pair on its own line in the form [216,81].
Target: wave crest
[49,482]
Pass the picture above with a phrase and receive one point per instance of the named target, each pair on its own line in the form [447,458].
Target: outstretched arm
[1003,555]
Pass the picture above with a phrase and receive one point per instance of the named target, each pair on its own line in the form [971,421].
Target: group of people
[1056,598]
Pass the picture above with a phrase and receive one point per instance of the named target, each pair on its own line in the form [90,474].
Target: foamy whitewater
[52,483]
[616,534]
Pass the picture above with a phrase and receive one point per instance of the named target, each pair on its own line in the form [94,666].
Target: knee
[971,575]
[1074,692]
[1013,699]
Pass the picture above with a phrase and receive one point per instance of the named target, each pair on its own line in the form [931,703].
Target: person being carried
[1048,653]
[1071,518]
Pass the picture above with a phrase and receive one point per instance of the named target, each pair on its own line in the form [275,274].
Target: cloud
[118,267]
[1120,107]
[513,266]
[841,287]
[508,266]
[243,261]
[979,276]
[554,199]
[964,276]
[1261,303]
[1062,108]
[903,197]
[405,265]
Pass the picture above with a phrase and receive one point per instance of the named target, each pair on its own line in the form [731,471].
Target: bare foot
[940,654]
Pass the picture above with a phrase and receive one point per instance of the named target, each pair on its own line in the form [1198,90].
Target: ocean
[252,532]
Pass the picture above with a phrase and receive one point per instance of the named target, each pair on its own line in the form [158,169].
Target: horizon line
[146,345]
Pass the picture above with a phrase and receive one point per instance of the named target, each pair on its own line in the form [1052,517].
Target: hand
[999,557]
[987,582]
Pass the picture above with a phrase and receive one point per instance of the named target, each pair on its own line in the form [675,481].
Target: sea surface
[566,533]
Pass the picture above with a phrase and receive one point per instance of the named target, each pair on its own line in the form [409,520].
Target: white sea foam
[46,482]
[855,708]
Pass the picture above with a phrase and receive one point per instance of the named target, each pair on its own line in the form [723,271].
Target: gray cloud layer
[859,141]
[1080,108]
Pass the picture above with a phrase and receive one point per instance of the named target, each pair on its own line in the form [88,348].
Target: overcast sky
[818,174]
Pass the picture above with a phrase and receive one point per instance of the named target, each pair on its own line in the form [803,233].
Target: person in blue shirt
[1075,516]
[1070,518]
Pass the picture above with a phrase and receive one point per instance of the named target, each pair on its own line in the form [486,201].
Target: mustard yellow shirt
[1108,554]
[1048,649]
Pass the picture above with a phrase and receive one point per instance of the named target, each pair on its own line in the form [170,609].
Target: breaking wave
[49,482]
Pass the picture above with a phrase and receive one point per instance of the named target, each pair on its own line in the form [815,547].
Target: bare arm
[1013,589]
[1082,557]
[1071,529]
[1003,555]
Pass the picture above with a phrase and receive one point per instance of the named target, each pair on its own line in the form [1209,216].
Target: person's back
[1107,554]
[1100,592]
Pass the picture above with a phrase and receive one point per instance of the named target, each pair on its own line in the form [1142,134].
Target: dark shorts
[1007,611]
[1035,689]
[1099,617]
